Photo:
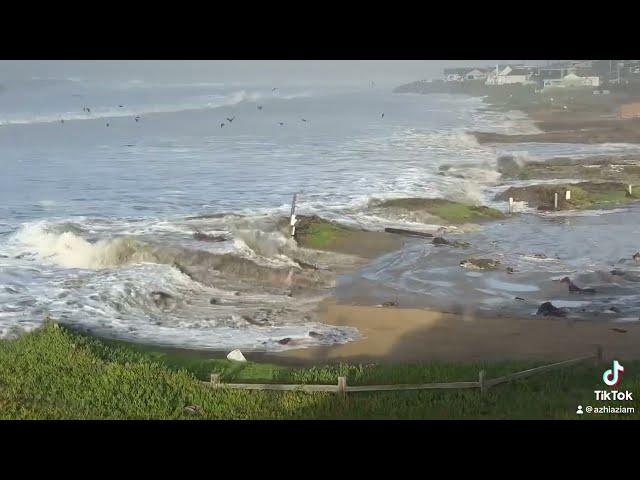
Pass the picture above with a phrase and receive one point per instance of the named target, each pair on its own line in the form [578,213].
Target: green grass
[583,198]
[323,235]
[448,210]
[54,373]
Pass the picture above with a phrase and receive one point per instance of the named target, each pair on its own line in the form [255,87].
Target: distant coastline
[572,115]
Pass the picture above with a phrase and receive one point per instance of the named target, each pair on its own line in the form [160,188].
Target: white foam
[216,101]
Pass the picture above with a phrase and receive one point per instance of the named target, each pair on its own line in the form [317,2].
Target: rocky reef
[583,195]
[437,208]
[625,169]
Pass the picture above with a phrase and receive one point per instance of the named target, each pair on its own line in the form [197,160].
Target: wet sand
[396,335]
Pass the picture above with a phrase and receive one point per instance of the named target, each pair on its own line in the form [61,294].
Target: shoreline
[414,335]
[410,335]
[392,335]
[563,116]
[401,335]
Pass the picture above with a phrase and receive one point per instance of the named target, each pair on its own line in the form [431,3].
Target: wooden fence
[341,387]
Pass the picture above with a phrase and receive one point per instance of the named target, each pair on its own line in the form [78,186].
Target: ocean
[104,183]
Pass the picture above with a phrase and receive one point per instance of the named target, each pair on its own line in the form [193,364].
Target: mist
[386,73]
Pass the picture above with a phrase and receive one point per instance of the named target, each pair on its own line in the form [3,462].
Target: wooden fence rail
[525,373]
[341,387]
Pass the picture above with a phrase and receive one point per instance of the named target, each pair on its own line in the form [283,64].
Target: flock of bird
[222,124]
[88,110]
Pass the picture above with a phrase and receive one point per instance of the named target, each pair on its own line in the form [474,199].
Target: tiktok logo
[612,376]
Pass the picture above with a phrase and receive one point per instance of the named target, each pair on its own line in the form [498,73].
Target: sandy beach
[395,335]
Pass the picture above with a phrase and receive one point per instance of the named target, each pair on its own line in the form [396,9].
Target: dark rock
[548,310]
[614,309]
[213,301]
[636,257]
[521,299]
[441,241]
[237,294]
[159,294]
[203,237]
[315,334]
[284,341]
[573,288]
[390,304]
[510,270]
[619,330]
[617,272]
[455,243]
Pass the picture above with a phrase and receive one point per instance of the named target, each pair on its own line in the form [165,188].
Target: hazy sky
[277,72]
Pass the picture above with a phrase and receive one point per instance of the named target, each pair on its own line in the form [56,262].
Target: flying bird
[231,119]
[259,107]
[221,125]
[121,106]
[281,123]
[304,120]
[274,89]
[382,116]
[137,118]
[107,124]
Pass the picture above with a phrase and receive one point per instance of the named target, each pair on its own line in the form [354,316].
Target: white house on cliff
[509,76]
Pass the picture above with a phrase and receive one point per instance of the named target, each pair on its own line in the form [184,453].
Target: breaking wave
[198,103]
[133,288]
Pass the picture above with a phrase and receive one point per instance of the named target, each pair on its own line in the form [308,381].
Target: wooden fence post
[215,380]
[292,217]
[342,385]
[483,386]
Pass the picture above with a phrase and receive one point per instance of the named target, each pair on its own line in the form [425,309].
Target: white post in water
[630,189]
[567,195]
[555,200]
[293,219]
[510,204]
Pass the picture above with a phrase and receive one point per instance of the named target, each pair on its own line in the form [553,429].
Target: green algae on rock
[448,210]
[320,234]
[583,195]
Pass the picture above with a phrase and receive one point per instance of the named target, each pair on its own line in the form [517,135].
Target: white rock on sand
[236,356]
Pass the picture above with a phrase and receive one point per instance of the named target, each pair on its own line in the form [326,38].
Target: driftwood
[411,233]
